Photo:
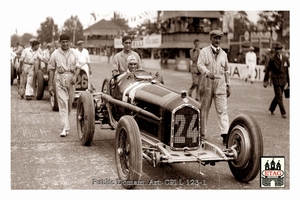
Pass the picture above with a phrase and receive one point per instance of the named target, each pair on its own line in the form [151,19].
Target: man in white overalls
[251,64]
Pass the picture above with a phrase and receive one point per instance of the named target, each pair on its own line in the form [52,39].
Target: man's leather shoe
[272,112]
[28,97]
[283,116]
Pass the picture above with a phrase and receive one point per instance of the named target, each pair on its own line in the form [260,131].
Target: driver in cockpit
[132,65]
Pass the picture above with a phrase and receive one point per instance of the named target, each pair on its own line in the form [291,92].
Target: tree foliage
[276,21]
[73,28]
[119,21]
[241,24]
[48,31]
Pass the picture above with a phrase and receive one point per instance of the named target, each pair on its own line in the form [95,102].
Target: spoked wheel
[85,118]
[106,90]
[128,151]
[246,139]
[53,98]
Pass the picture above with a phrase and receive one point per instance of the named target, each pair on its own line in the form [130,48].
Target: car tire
[40,85]
[85,118]
[106,90]
[53,98]
[12,74]
[245,133]
[128,152]
[105,86]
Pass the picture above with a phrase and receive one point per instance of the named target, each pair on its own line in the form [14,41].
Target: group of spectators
[61,64]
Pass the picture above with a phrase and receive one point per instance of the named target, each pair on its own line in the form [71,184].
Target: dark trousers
[278,90]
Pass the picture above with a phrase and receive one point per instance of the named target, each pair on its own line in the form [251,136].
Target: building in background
[99,37]
[180,28]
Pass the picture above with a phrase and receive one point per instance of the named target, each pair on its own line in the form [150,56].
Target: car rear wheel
[12,73]
[53,98]
[128,152]
[106,90]
[246,138]
[40,85]
[85,118]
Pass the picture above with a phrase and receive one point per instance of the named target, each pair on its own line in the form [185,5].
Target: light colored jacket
[207,62]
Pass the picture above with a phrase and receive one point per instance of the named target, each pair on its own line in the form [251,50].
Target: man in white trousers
[84,60]
[251,64]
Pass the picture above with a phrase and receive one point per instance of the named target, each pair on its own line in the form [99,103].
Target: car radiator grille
[185,131]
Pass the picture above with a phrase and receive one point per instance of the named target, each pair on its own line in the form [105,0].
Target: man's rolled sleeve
[201,63]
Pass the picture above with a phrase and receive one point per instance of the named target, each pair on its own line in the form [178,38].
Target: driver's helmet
[132,63]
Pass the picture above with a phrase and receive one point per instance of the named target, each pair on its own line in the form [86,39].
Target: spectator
[279,67]
[196,75]
[119,60]
[251,61]
[29,58]
[84,60]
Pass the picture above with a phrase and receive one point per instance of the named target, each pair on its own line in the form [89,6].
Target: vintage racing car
[81,85]
[14,67]
[161,125]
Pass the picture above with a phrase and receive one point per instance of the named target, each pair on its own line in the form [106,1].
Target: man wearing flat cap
[84,60]
[251,64]
[119,60]
[64,63]
[28,60]
[213,64]
[279,67]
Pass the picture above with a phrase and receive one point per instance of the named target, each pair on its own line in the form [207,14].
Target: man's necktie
[215,52]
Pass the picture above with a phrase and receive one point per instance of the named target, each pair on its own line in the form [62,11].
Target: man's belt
[28,63]
[65,71]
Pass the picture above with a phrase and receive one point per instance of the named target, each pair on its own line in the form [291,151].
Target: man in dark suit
[279,68]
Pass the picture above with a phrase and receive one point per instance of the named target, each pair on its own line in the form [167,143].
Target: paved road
[40,159]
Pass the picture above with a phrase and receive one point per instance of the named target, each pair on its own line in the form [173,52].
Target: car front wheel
[85,118]
[245,137]
[128,151]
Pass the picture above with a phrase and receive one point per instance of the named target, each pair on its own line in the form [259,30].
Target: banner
[151,41]
[240,71]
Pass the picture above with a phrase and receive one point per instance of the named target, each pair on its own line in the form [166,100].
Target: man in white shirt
[251,64]
[84,60]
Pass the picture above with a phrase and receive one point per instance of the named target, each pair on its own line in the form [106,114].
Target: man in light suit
[213,64]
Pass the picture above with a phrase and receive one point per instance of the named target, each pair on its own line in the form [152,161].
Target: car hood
[159,94]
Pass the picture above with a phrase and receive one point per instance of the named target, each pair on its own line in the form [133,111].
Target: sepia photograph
[118,96]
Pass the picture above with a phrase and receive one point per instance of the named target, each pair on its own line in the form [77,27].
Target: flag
[94,15]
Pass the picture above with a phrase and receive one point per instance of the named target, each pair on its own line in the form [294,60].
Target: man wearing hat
[28,60]
[279,67]
[251,64]
[84,60]
[132,65]
[64,63]
[213,64]
[196,75]
[119,60]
